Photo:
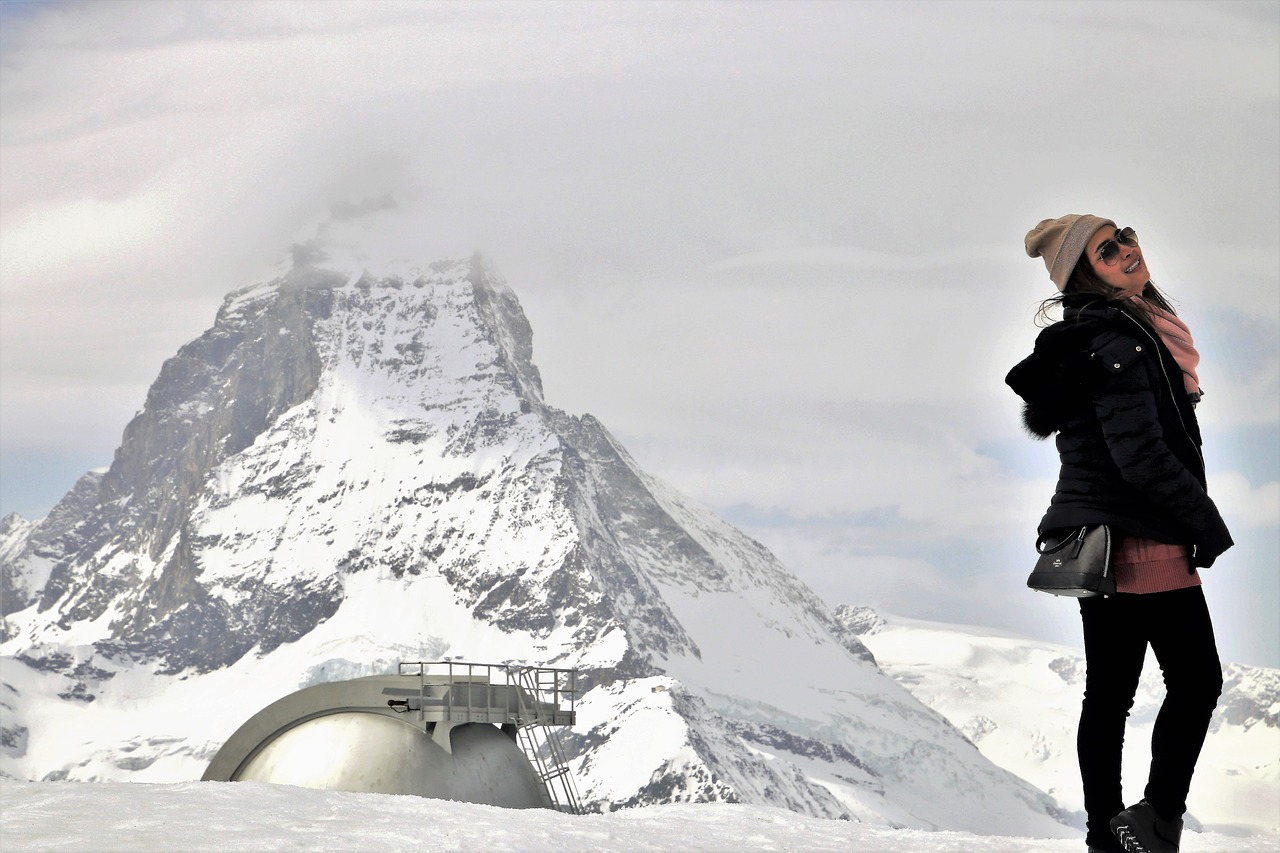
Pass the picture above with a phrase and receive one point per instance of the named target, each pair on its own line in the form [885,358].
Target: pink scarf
[1177,337]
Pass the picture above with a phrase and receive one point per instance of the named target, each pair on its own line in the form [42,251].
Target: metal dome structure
[480,733]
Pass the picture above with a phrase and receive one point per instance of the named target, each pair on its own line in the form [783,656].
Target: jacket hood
[1054,377]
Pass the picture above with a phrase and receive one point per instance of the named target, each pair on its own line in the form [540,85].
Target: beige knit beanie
[1061,241]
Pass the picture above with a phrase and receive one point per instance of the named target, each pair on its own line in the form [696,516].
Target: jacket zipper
[1172,392]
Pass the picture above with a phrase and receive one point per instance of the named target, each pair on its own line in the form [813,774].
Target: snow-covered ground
[248,817]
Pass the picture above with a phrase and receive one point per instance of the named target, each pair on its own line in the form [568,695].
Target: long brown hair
[1084,280]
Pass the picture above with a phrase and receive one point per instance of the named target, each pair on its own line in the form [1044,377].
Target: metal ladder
[541,743]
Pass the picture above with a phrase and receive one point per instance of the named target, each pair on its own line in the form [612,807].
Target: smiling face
[1126,270]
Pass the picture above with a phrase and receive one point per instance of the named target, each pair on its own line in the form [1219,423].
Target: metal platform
[525,700]
[435,729]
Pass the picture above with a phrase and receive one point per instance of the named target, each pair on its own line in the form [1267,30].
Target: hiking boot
[1141,830]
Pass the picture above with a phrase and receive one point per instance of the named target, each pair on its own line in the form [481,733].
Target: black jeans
[1117,630]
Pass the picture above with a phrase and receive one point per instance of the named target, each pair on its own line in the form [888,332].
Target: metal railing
[531,699]
[547,756]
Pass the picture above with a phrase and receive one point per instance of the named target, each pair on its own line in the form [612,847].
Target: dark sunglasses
[1109,250]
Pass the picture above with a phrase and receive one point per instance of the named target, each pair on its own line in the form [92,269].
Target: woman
[1116,380]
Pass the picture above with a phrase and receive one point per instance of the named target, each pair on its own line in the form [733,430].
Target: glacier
[1018,701]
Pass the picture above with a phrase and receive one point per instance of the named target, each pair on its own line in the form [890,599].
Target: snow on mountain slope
[348,470]
[1018,700]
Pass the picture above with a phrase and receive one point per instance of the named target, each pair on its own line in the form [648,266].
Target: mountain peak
[353,468]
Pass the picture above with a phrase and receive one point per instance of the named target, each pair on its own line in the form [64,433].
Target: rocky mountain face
[348,470]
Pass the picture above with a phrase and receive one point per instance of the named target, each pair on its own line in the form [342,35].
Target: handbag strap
[1077,538]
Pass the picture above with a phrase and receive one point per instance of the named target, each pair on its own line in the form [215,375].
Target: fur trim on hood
[1054,378]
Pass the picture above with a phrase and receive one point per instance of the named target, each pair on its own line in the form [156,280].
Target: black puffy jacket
[1128,438]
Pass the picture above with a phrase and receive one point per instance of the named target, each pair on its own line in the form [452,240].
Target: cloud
[1245,506]
[853,259]
[778,254]
[954,588]
[345,211]
[307,254]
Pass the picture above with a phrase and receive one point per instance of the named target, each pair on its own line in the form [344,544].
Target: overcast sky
[775,248]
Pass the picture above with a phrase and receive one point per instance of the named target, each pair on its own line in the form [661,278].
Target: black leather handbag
[1074,562]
